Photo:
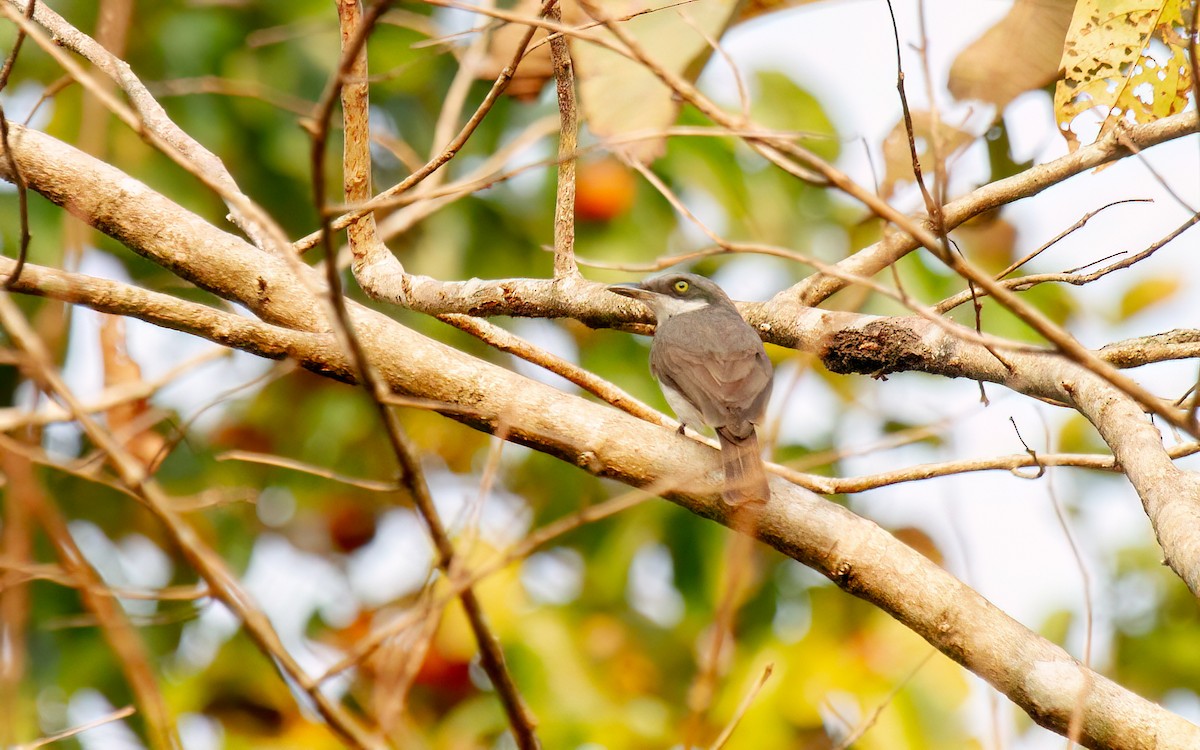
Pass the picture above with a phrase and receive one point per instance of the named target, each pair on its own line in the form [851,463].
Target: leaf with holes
[1127,58]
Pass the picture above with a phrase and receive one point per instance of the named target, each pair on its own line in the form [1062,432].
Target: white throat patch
[668,307]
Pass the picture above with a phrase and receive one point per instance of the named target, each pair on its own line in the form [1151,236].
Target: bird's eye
[681,286]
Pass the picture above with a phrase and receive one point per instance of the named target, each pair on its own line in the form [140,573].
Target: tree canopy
[326,432]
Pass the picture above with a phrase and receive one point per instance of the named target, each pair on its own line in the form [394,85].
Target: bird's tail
[745,477]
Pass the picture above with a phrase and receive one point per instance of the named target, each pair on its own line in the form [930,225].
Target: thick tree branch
[1169,494]
[273,342]
[1161,347]
[853,552]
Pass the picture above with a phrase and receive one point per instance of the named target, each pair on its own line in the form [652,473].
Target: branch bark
[855,553]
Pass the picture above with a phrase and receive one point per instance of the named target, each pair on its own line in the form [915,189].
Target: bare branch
[120,713]
[355,30]
[209,565]
[1177,344]
[448,153]
[742,708]
[148,118]
[1021,283]
[126,642]
[854,553]
[568,143]
[875,258]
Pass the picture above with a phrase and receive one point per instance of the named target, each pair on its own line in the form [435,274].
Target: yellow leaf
[1147,293]
[1077,435]
[1107,63]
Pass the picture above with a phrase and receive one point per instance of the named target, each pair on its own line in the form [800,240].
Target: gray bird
[713,370]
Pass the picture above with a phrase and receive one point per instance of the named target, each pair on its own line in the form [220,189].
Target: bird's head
[674,294]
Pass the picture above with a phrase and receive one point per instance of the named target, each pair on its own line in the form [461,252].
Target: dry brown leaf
[619,96]
[755,8]
[1020,53]
[130,421]
[397,665]
[989,241]
[897,156]
[535,67]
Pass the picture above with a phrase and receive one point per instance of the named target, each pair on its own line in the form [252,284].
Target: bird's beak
[632,291]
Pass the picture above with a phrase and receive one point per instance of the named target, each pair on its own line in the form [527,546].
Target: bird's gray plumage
[713,370]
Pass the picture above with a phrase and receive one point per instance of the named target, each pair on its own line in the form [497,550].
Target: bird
[713,370]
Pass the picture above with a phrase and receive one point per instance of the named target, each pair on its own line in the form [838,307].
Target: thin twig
[455,99]
[21,573]
[222,582]
[739,560]
[449,152]
[506,341]
[940,179]
[467,579]
[18,180]
[933,202]
[120,713]
[1083,220]
[17,541]
[270,459]
[1033,456]
[1023,283]
[1124,139]
[870,719]
[1075,725]
[132,655]
[13,417]
[932,207]
[742,708]
[739,81]
[232,88]
[270,375]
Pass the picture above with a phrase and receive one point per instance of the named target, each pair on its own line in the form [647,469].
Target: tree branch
[874,258]
[362,233]
[853,552]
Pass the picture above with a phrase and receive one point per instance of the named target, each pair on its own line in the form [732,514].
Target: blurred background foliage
[605,627]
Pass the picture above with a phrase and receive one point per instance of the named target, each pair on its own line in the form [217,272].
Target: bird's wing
[728,378]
